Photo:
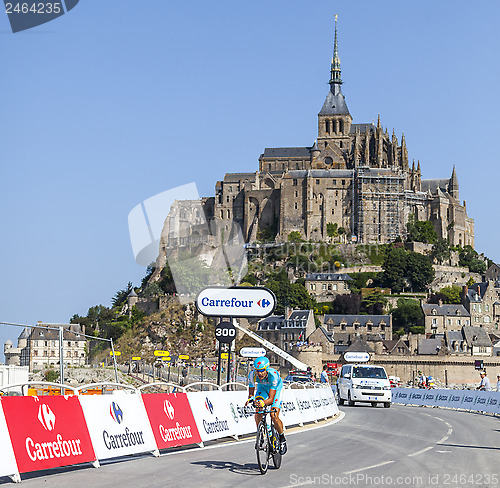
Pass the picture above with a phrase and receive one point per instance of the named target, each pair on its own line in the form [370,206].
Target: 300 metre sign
[225,332]
[236,302]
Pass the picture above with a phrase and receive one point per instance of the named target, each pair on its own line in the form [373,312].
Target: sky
[119,100]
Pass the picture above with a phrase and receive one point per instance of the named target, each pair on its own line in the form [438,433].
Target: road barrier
[471,400]
[44,432]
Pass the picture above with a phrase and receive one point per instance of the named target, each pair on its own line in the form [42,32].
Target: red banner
[171,419]
[47,432]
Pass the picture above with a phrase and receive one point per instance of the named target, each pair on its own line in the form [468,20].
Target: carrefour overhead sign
[236,302]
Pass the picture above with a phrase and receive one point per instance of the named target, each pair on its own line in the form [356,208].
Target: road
[400,446]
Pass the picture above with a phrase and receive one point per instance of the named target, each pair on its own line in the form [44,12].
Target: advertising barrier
[244,417]
[328,401]
[47,432]
[480,401]
[290,409]
[8,466]
[171,419]
[212,414]
[118,424]
[305,405]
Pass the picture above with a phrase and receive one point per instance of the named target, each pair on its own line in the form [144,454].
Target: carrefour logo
[116,412]
[236,302]
[168,408]
[46,417]
[208,405]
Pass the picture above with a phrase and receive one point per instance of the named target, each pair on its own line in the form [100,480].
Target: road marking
[368,467]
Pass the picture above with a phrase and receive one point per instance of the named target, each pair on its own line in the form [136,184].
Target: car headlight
[386,388]
[356,386]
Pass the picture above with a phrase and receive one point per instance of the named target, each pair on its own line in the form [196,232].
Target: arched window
[341,123]
[327,127]
[328,161]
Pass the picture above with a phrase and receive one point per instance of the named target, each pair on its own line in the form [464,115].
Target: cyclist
[269,385]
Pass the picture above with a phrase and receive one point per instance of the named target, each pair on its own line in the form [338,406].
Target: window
[296,194]
[334,182]
[343,182]
[486,307]
[295,205]
[317,182]
[294,182]
[227,198]
[333,211]
[434,322]
[324,286]
[313,286]
[334,287]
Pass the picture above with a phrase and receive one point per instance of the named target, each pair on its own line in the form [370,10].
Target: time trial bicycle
[267,443]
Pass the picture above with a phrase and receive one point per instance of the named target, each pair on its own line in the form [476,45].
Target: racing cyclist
[269,385]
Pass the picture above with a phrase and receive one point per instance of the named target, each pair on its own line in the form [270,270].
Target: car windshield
[364,372]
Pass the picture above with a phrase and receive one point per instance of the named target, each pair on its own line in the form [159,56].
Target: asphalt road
[369,447]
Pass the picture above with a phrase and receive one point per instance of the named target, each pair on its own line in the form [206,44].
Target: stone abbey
[356,176]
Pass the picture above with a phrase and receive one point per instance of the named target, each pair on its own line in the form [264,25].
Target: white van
[364,383]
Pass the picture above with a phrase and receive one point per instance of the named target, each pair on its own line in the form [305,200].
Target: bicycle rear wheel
[262,447]
[276,449]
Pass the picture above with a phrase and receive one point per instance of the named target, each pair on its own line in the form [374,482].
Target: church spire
[335,68]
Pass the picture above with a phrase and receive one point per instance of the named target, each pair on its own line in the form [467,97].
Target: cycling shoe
[283,448]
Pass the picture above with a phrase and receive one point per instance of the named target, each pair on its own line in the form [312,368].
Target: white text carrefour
[233,303]
[49,450]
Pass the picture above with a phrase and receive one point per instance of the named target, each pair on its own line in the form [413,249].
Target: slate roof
[362,127]
[273,322]
[298,319]
[433,185]
[455,336]
[287,152]
[328,276]
[70,334]
[429,346]
[320,173]
[362,319]
[237,177]
[476,336]
[445,310]
[335,104]
[476,292]
[359,345]
[329,335]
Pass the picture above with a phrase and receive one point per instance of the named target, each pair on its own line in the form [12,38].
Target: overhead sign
[161,353]
[136,358]
[236,302]
[183,356]
[252,352]
[224,355]
[357,357]
[225,332]
[166,359]
[116,353]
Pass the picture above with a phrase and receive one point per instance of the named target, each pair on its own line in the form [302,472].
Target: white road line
[421,451]
[368,467]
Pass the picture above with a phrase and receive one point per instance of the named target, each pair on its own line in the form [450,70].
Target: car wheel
[349,401]
[387,405]
[340,400]
[374,404]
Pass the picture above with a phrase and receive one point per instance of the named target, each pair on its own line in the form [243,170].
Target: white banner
[244,417]
[480,401]
[319,409]
[290,413]
[118,424]
[212,413]
[8,466]
[305,405]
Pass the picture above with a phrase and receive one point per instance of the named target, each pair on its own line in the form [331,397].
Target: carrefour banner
[171,419]
[290,412]
[212,414]
[8,465]
[118,424]
[47,432]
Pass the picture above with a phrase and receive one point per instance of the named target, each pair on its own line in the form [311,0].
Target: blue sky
[119,100]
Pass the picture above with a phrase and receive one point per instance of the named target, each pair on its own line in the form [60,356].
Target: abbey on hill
[356,176]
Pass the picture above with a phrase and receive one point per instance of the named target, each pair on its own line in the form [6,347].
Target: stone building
[39,347]
[482,300]
[355,175]
[358,325]
[287,331]
[326,286]
[439,318]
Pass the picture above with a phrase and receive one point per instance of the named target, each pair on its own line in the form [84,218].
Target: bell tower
[334,119]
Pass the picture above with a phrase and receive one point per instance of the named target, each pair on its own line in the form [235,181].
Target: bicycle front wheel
[262,447]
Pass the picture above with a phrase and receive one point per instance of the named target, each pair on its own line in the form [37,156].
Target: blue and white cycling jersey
[262,387]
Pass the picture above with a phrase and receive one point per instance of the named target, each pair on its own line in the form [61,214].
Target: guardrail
[48,431]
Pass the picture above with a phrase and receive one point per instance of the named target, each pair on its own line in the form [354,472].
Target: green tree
[470,259]
[121,295]
[332,230]
[289,294]
[440,251]
[51,375]
[407,315]
[295,236]
[374,303]
[420,231]
[419,271]
[394,267]
[452,294]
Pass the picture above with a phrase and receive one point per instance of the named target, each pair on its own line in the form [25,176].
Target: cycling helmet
[261,363]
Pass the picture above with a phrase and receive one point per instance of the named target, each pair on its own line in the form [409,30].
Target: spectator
[422,380]
[498,382]
[485,382]
[184,376]
[324,375]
